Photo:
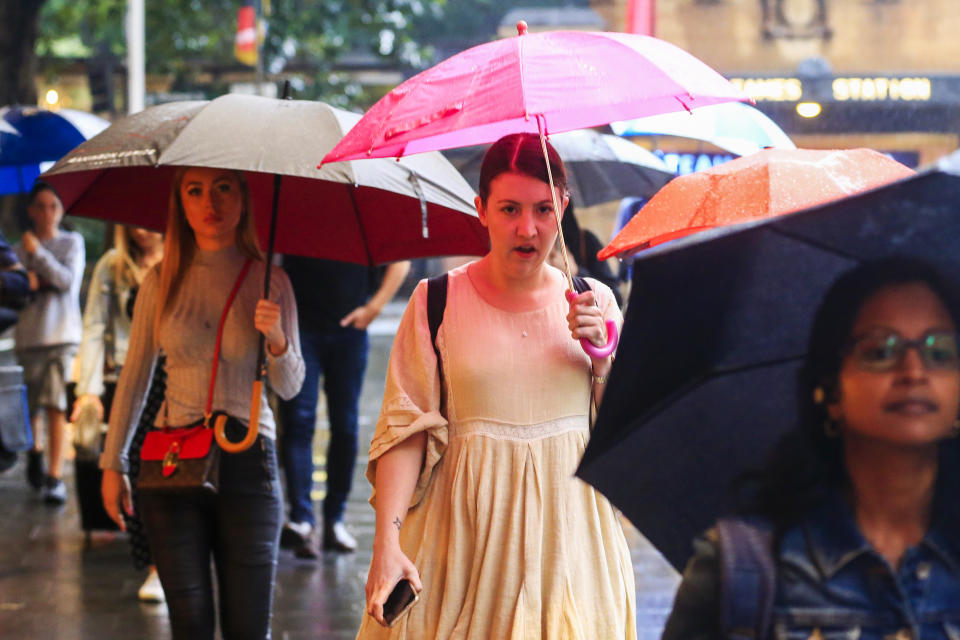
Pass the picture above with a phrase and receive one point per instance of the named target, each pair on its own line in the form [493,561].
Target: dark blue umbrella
[32,139]
[704,381]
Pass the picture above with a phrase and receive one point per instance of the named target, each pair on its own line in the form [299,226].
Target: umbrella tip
[521,27]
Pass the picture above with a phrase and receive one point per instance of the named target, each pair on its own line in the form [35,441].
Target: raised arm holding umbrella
[482,408]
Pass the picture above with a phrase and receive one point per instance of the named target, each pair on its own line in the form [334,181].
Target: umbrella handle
[613,338]
[252,429]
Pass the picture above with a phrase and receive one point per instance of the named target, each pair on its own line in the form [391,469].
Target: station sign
[845,88]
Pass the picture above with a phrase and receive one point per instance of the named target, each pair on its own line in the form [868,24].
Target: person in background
[336,302]
[14,289]
[856,513]
[583,246]
[480,433]
[103,350]
[48,331]
[210,239]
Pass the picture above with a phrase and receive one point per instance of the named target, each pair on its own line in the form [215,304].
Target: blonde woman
[210,236]
[103,350]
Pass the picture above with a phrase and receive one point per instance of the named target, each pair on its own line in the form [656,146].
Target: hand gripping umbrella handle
[613,338]
[252,429]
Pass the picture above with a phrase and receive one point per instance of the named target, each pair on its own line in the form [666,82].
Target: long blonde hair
[127,272]
[180,244]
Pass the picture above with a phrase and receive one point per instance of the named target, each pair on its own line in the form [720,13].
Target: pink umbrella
[544,82]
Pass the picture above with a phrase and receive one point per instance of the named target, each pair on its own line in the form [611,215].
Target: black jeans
[239,528]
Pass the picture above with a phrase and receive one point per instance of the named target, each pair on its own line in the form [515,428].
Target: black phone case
[399,600]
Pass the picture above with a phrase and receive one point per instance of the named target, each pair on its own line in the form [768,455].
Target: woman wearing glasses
[854,529]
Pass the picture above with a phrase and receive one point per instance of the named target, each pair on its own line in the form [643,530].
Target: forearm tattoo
[397,522]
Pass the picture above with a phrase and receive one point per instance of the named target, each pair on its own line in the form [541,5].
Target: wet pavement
[58,583]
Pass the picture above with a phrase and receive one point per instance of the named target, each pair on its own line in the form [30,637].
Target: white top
[96,321]
[52,317]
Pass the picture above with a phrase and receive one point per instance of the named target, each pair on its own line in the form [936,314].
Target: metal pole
[136,65]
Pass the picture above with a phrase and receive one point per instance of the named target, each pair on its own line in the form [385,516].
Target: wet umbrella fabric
[561,80]
[32,138]
[368,213]
[600,167]
[768,183]
[734,126]
[704,381]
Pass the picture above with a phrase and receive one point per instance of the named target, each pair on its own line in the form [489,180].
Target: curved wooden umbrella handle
[252,429]
[613,338]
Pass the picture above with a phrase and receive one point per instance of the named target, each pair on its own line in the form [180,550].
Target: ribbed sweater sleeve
[135,377]
[285,372]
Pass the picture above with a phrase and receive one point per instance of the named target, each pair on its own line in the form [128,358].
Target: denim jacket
[832,584]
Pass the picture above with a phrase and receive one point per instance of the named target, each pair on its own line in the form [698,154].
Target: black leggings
[239,528]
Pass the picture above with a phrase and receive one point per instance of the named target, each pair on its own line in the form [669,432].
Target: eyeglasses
[883,350]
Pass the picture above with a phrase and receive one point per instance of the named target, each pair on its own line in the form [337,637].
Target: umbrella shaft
[556,206]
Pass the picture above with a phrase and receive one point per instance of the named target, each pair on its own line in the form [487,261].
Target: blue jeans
[340,356]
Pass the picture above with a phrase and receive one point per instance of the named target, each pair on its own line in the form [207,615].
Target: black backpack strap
[436,304]
[581,284]
[748,578]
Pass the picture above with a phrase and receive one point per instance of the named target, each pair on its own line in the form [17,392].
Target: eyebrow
[510,201]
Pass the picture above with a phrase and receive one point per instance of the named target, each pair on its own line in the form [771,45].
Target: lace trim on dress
[503,431]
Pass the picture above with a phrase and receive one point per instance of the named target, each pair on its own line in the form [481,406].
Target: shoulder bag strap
[216,351]
[436,305]
[748,578]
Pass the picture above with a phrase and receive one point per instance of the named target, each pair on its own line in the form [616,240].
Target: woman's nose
[526,225]
[911,364]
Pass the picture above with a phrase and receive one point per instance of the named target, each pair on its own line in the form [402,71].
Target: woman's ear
[481,210]
[563,204]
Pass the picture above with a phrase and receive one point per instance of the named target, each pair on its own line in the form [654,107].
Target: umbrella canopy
[704,381]
[734,126]
[768,183]
[356,212]
[562,80]
[31,138]
[600,167]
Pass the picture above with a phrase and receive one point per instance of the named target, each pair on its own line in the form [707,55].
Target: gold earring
[819,395]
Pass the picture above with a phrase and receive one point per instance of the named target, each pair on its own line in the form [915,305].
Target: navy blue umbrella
[32,139]
[704,381]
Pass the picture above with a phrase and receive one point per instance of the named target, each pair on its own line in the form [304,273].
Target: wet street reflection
[58,583]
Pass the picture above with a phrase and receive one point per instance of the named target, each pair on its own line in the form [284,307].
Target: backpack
[748,578]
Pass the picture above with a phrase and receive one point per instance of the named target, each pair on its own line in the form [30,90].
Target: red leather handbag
[186,459]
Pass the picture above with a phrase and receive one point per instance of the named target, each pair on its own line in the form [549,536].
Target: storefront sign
[684,163]
[882,89]
[770,89]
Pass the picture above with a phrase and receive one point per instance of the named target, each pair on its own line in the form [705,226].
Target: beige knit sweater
[187,337]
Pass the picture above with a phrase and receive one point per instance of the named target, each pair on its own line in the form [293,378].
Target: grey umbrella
[600,167]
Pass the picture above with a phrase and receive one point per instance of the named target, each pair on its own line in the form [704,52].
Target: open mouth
[525,250]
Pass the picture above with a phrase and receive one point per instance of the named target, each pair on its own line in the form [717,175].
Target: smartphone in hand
[399,602]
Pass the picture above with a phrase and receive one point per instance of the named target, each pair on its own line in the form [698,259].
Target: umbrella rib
[363,233]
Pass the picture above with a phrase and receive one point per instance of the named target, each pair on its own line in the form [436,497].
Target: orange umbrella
[766,184]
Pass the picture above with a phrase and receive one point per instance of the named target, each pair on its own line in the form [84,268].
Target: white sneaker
[151,590]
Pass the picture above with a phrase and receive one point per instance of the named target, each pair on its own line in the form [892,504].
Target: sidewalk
[57,585]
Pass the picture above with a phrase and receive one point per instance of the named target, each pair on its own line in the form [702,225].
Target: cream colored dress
[509,544]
